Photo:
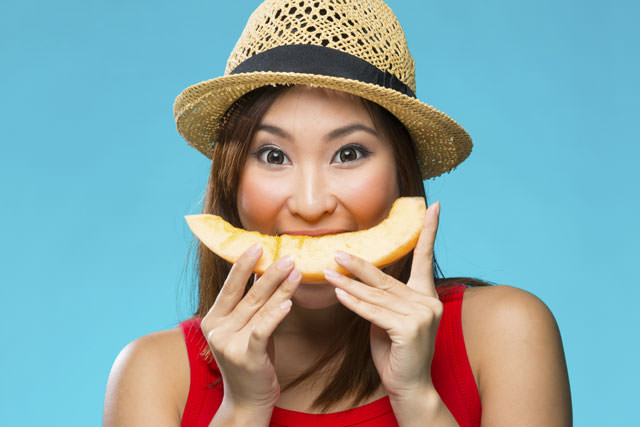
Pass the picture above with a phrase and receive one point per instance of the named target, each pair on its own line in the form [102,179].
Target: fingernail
[342,257]
[330,274]
[285,263]
[254,251]
[286,305]
[294,276]
[342,294]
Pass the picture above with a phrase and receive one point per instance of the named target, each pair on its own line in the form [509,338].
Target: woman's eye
[351,153]
[271,156]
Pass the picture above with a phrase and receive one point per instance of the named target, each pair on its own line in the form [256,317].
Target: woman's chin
[315,296]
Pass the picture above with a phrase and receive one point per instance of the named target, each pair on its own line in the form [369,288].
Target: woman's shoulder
[165,340]
[501,300]
[508,308]
[155,351]
[512,338]
[498,312]
[149,376]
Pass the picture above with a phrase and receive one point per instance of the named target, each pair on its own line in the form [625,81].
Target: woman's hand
[239,332]
[404,318]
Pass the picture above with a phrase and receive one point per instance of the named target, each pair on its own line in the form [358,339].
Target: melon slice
[381,245]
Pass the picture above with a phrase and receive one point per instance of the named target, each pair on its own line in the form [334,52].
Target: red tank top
[450,372]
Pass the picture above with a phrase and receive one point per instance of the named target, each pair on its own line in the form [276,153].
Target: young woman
[315,129]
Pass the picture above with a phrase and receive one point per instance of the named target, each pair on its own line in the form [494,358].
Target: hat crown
[367,29]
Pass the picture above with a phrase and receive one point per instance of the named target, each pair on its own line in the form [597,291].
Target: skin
[254,337]
[313,188]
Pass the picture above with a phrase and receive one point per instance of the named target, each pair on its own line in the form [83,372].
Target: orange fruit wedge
[381,244]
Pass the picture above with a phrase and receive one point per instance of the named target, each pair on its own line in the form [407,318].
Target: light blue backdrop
[95,179]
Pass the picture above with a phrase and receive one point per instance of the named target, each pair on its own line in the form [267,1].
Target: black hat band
[320,60]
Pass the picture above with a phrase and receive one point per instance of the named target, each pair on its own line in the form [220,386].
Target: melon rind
[381,245]
[230,242]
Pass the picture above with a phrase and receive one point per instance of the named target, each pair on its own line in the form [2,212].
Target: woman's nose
[311,197]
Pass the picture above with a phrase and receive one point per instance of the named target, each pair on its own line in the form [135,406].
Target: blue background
[95,180]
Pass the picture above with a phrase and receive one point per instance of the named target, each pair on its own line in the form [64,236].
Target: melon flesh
[381,244]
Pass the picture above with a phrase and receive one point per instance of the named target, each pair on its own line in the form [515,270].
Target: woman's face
[316,165]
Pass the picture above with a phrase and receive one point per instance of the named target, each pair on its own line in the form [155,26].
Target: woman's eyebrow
[334,134]
[274,130]
[345,130]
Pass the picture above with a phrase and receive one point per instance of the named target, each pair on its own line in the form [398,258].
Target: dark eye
[276,157]
[270,155]
[351,153]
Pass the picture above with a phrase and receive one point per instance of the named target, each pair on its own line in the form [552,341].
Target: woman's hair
[348,360]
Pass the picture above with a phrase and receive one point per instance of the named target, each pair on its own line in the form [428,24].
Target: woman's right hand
[239,332]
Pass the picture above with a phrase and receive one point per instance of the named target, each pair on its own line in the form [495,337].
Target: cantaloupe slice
[381,245]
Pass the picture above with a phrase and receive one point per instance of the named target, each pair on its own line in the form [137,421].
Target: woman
[317,130]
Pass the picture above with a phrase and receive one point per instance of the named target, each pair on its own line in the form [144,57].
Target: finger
[234,285]
[261,291]
[421,278]
[267,319]
[377,315]
[369,273]
[286,290]
[264,322]
[283,293]
[368,293]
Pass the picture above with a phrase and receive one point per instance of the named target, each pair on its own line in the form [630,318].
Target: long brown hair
[353,374]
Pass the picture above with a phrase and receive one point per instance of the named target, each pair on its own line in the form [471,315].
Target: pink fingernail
[285,263]
[342,294]
[254,251]
[342,257]
[294,276]
[286,305]
[330,274]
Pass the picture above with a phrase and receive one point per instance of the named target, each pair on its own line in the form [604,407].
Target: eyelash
[364,153]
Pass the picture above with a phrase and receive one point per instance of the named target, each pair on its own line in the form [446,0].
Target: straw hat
[354,46]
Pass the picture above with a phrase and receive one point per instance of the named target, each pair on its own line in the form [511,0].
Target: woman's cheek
[259,199]
[369,196]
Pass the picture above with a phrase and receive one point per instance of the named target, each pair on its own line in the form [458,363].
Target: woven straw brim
[441,142]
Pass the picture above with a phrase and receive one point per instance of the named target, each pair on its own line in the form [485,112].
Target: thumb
[421,278]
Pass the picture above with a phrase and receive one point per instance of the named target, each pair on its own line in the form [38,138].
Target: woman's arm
[516,352]
[149,382]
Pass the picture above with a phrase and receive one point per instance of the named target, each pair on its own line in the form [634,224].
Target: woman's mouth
[317,232]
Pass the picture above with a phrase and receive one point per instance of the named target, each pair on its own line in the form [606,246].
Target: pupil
[347,155]
[274,157]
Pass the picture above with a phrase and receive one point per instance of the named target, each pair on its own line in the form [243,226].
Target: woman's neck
[303,337]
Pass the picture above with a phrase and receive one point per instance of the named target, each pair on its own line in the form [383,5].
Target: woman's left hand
[404,317]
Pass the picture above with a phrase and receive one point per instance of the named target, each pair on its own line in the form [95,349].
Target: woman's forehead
[302,101]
